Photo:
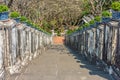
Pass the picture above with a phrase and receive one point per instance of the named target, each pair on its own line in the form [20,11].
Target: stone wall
[19,44]
[99,44]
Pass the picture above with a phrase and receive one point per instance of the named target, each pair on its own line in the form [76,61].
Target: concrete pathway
[58,64]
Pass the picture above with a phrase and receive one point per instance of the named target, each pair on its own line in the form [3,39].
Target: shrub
[23,19]
[58,33]
[106,14]
[3,8]
[92,22]
[80,28]
[14,14]
[86,25]
[116,6]
[97,18]
[69,31]
[29,22]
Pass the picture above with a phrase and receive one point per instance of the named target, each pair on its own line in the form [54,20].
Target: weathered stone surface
[59,63]
[19,44]
[99,44]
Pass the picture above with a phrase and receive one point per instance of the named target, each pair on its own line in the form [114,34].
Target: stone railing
[19,44]
[99,44]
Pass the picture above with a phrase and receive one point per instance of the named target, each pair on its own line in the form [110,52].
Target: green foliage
[45,24]
[36,26]
[69,31]
[92,22]
[106,14]
[85,13]
[86,7]
[29,22]
[97,18]
[86,25]
[3,8]
[53,22]
[23,19]
[58,33]
[80,28]
[116,6]
[14,14]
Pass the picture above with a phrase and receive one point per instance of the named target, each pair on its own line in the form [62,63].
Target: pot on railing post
[29,23]
[106,19]
[15,15]
[92,23]
[106,16]
[17,19]
[115,10]
[115,14]
[23,20]
[4,12]
[97,20]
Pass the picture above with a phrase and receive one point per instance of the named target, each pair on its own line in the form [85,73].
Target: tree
[64,12]
[97,6]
